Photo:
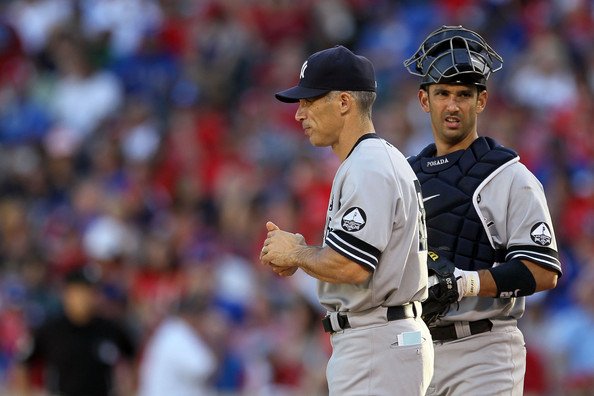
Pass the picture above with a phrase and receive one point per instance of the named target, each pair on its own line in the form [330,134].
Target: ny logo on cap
[302,74]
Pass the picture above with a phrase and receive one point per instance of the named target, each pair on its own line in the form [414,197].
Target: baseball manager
[371,269]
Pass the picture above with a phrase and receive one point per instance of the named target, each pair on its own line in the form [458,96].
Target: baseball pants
[487,364]
[369,361]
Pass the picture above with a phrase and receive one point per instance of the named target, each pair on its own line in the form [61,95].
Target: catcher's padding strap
[513,279]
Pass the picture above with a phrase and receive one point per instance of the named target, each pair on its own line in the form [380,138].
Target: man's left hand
[278,248]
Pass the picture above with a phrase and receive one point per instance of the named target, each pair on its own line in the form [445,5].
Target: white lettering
[438,162]
[302,74]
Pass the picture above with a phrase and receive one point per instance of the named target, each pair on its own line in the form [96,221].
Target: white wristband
[468,283]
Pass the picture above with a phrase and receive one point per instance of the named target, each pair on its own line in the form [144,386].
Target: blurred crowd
[141,138]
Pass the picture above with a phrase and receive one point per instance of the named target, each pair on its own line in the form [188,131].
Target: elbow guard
[513,279]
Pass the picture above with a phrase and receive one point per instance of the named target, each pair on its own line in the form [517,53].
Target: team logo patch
[354,219]
[541,234]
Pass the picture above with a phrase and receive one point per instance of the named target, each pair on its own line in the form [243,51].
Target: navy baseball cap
[332,69]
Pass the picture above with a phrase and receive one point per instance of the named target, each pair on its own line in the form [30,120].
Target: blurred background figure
[569,334]
[178,359]
[78,352]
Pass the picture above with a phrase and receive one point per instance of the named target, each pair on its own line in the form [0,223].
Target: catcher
[487,219]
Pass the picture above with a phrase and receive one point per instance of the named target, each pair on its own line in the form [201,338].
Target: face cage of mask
[458,55]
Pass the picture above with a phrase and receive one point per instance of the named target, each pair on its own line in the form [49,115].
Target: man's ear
[346,101]
[481,101]
[423,96]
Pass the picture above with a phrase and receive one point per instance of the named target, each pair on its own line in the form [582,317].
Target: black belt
[405,311]
[448,333]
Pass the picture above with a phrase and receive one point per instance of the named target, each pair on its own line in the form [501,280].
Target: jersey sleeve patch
[354,219]
[540,233]
[543,256]
[353,248]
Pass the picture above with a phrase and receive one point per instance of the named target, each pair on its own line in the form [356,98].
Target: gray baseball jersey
[510,217]
[512,206]
[376,218]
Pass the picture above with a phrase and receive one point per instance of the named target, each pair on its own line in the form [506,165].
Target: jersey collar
[370,135]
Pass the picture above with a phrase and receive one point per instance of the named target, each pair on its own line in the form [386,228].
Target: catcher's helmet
[453,54]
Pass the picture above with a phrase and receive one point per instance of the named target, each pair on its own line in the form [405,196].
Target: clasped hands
[278,250]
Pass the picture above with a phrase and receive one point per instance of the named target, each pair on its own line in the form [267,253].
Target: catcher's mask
[454,55]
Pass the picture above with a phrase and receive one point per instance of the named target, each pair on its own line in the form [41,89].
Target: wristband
[513,279]
[468,282]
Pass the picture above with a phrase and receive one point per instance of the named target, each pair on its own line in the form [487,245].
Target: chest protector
[448,184]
